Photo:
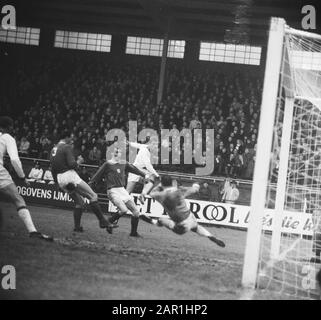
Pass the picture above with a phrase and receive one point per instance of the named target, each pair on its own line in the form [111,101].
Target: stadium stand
[90,95]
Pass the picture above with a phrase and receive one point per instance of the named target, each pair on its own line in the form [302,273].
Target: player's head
[6,123]
[166,181]
[66,136]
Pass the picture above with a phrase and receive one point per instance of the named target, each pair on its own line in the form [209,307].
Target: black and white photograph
[160,154]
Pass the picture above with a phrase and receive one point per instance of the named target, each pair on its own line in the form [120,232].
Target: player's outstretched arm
[192,190]
[131,168]
[136,145]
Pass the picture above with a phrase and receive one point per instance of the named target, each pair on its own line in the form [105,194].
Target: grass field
[97,265]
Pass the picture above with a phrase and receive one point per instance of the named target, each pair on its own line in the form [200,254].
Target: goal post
[282,177]
[263,151]
[283,245]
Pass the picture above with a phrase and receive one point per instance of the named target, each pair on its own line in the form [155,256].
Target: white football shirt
[142,159]
[8,145]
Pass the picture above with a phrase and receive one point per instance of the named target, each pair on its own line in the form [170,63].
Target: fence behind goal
[278,263]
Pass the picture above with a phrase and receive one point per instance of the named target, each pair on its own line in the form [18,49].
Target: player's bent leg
[85,190]
[130,186]
[205,233]
[134,219]
[166,222]
[11,192]
[115,216]
[131,206]
[148,187]
[120,205]
[136,215]
[148,219]
[201,231]
[78,210]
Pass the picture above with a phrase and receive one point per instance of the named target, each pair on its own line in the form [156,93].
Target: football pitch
[97,265]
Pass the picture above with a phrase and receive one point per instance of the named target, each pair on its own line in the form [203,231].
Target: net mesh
[293,272]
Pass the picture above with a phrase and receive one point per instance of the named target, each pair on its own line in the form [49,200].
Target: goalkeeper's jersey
[174,203]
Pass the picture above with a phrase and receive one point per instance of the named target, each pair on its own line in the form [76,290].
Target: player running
[114,171]
[180,219]
[7,187]
[63,165]
[143,163]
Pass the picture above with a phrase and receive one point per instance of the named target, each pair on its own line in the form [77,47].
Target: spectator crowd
[91,96]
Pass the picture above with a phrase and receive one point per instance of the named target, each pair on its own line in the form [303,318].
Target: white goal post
[263,152]
[287,173]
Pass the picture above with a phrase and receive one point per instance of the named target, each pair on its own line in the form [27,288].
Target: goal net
[283,247]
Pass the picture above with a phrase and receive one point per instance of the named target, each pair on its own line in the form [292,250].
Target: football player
[143,162]
[8,188]
[114,171]
[181,219]
[64,165]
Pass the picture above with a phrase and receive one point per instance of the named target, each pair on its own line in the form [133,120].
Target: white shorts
[135,178]
[117,195]
[186,225]
[5,178]
[70,176]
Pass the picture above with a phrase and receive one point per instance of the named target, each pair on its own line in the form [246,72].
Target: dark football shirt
[62,159]
[115,173]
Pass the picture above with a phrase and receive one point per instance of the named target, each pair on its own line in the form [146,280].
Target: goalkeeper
[181,219]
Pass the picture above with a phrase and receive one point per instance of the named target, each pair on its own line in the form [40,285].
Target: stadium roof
[239,21]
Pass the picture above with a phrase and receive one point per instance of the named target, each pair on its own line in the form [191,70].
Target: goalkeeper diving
[180,219]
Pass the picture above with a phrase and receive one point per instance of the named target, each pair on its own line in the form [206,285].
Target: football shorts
[117,195]
[5,178]
[186,225]
[68,177]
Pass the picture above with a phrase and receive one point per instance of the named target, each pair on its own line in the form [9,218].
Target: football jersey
[8,145]
[115,173]
[174,203]
[142,160]
[62,158]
